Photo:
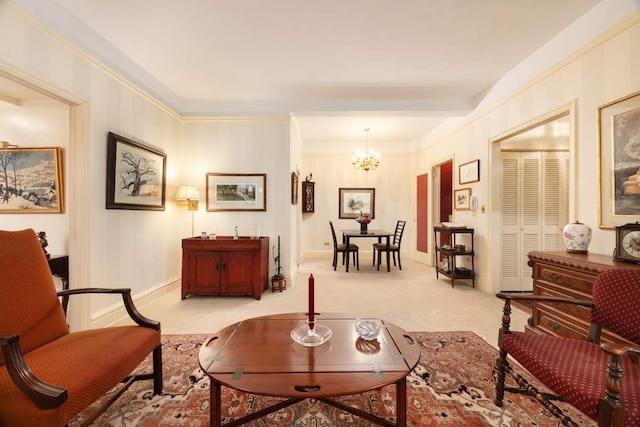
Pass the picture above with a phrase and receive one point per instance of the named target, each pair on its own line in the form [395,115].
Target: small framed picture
[294,188]
[469,172]
[462,199]
[236,192]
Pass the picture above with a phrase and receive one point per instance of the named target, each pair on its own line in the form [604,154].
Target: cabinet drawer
[565,282]
[571,310]
[554,324]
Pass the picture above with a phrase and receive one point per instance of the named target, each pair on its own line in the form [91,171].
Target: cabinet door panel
[204,272]
[238,273]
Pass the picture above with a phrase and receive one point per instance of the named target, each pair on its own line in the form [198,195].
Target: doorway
[532,196]
[442,197]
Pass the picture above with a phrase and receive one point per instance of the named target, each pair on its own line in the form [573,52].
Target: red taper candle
[311,302]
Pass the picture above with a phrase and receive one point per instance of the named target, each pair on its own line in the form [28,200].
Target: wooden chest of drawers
[569,275]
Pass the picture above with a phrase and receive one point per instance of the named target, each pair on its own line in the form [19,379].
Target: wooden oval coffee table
[259,356]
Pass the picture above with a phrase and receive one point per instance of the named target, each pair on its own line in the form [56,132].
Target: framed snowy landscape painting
[31,180]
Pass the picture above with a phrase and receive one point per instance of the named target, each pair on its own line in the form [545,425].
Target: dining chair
[342,248]
[394,247]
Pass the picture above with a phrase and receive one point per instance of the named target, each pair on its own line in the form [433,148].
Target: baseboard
[117,312]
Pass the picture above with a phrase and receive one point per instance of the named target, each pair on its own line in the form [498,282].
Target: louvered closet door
[534,196]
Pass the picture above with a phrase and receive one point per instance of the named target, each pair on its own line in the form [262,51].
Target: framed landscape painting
[236,192]
[31,180]
[352,201]
[135,175]
[619,157]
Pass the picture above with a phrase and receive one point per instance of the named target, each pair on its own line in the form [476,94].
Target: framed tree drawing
[135,175]
[236,192]
[352,201]
[31,180]
[619,156]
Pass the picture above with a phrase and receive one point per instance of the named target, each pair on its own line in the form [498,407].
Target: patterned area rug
[452,385]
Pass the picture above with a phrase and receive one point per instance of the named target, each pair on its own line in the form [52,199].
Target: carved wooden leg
[500,364]
[610,408]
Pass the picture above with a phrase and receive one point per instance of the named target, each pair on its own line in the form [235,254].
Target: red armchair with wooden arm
[47,374]
[600,379]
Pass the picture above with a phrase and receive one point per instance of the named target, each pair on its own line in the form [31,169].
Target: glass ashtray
[369,329]
[311,337]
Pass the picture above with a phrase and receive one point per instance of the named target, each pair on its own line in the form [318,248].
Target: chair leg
[500,371]
[357,257]
[335,260]
[379,258]
[157,370]
[374,258]
[399,263]
[394,258]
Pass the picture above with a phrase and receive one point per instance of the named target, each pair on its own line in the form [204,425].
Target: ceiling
[338,66]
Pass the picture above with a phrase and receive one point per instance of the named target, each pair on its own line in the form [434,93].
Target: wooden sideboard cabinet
[567,275]
[224,266]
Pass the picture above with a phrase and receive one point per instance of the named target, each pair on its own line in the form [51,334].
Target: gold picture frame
[619,161]
[31,180]
[462,199]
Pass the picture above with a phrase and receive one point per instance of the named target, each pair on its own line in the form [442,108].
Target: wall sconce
[188,195]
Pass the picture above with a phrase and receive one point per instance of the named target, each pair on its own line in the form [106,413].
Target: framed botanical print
[352,201]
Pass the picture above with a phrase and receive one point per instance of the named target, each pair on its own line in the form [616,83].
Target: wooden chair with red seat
[601,379]
[47,374]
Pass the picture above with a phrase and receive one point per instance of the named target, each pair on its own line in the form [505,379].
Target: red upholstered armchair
[600,379]
[47,374]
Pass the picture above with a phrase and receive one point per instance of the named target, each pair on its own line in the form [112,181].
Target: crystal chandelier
[367,159]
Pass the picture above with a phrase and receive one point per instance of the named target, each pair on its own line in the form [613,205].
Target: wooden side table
[278,281]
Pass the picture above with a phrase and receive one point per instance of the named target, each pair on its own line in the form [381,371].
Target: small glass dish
[369,329]
[311,337]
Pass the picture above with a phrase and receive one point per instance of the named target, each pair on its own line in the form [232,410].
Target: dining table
[347,235]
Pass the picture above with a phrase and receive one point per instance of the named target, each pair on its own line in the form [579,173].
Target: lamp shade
[187,192]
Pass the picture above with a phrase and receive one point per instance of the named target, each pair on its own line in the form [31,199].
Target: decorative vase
[577,237]
[363,227]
